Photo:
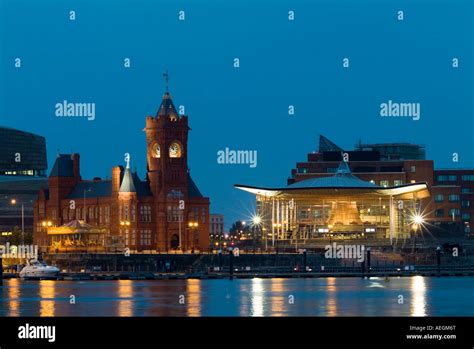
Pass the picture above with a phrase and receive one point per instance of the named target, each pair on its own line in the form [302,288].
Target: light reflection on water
[450,296]
[418,291]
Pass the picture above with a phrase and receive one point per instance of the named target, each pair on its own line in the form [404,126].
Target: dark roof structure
[92,189]
[326,145]
[142,187]
[343,181]
[63,166]
[193,190]
[167,107]
[343,178]
[103,188]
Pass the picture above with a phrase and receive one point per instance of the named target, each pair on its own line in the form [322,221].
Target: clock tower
[175,216]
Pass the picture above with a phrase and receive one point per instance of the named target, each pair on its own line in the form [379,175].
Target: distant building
[217,225]
[23,165]
[353,192]
[449,208]
[165,211]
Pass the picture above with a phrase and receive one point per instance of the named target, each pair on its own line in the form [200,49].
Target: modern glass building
[339,205]
[23,166]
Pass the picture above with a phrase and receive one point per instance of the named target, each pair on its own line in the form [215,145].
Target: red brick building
[165,211]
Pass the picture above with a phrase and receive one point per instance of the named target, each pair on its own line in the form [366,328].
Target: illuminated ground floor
[337,206]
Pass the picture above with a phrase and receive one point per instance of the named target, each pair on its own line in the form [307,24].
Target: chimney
[116,175]
[76,166]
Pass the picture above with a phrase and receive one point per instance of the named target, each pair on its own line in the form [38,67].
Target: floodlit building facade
[338,205]
[163,212]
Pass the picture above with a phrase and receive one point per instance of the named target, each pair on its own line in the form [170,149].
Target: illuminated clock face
[156,150]
[175,150]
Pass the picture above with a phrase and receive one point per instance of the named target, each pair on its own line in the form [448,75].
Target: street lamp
[414,227]
[46,223]
[193,226]
[85,213]
[418,221]
[13,202]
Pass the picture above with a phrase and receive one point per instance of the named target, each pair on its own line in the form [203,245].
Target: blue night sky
[282,63]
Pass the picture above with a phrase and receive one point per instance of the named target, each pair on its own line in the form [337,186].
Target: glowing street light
[418,219]
[256,220]
[13,202]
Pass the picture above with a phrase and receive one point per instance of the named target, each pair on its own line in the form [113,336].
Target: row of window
[101,214]
[130,237]
[451,198]
[452,212]
[386,183]
[175,214]
[97,213]
[447,178]
[217,228]
[454,178]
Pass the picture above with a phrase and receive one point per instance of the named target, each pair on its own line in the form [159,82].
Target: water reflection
[14,296]
[125,296]
[246,297]
[418,296]
[279,298]
[256,297]
[46,295]
[193,301]
[331,296]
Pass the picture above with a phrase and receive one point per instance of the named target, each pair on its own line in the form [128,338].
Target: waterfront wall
[201,263]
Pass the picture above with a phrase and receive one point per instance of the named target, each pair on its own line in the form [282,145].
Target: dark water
[422,296]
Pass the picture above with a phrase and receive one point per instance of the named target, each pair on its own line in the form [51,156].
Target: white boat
[38,270]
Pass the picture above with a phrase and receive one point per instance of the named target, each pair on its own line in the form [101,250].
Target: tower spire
[167,77]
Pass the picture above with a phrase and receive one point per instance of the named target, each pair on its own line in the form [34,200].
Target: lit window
[453,197]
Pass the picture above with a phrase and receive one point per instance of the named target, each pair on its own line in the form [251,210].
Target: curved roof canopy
[342,179]
[342,183]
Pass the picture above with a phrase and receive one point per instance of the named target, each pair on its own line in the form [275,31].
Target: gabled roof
[103,188]
[93,189]
[193,190]
[142,187]
[63,166]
